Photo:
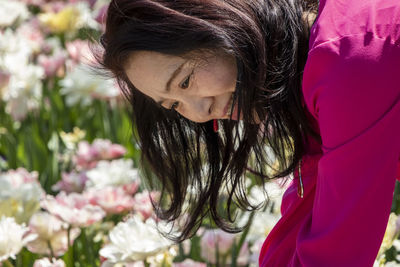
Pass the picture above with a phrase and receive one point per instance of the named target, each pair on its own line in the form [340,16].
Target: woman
[212,82]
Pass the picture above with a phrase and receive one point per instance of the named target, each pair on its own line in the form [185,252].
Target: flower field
[70,186]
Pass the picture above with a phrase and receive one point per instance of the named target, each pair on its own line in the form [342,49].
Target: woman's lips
[235,112]
[227,110]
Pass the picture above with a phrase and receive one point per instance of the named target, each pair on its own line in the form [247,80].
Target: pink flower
[59,243]
[104,149]
[101,149]
[112,199]
[79,51]
[71,182]
[90,2]
[46,225]
[142,203]
[213,238]
[189,263]
[32,32]
[51,230]
[131,188]
[33,2]
[101,16]
[53,6]
[20,177]
[85,158]
[52,65]
[45,262]
[74,209]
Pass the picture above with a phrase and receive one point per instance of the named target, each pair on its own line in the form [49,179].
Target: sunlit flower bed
[70,186]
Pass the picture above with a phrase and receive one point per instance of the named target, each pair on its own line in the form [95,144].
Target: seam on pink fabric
[350,35]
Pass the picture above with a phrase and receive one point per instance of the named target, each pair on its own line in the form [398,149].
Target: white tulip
[135,240]
[112,173]
[12,237]
[11,11]
[81,85]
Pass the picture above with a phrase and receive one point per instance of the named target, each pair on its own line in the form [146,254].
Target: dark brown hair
[269,39]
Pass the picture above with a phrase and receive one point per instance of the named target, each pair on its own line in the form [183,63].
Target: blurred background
[70,187]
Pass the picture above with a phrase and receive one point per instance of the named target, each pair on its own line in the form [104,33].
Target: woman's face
[199,91]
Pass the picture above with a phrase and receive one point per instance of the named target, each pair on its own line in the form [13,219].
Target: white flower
[86,18]
[20,193]
[11,11]
[135,240]
[392,264]
[59,243]
[390,234]
[46,225]
[274,190]
[24,90]
[81,85]
[112,173]
[12,237]
[45,262]
[14,51]
[262,224]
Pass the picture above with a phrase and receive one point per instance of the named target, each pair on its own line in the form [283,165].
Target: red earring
[215,125]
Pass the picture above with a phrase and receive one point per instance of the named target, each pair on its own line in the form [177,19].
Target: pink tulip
[90,2]
[59,243]
[53,6]
[52,65]
[71,182]
[88,155]
[104,149]
[189,263]
[45,262]
[142,203]
[21,176]
[78,51]
[113,200]
[84,157]
[32,32]
[101,16]
[50,229]
[74,209]
[33,2]
[213,238]
[131,188]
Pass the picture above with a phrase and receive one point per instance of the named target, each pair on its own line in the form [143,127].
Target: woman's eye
[185,84]
[174,105]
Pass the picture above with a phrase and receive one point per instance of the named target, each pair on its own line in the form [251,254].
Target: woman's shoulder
[369,18]
[350,80]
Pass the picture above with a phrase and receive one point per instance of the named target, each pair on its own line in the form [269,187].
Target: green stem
[236,251]
[88,247]
[7,263]
[70,246]
[50,248]
[146,264]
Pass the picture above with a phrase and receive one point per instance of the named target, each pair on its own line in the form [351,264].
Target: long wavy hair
[188,162]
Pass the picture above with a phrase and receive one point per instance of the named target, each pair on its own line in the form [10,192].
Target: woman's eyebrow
[171,79]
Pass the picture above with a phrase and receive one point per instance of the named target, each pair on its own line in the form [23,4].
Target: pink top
[351,88]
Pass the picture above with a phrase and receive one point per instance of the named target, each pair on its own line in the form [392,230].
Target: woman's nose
[197,109]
